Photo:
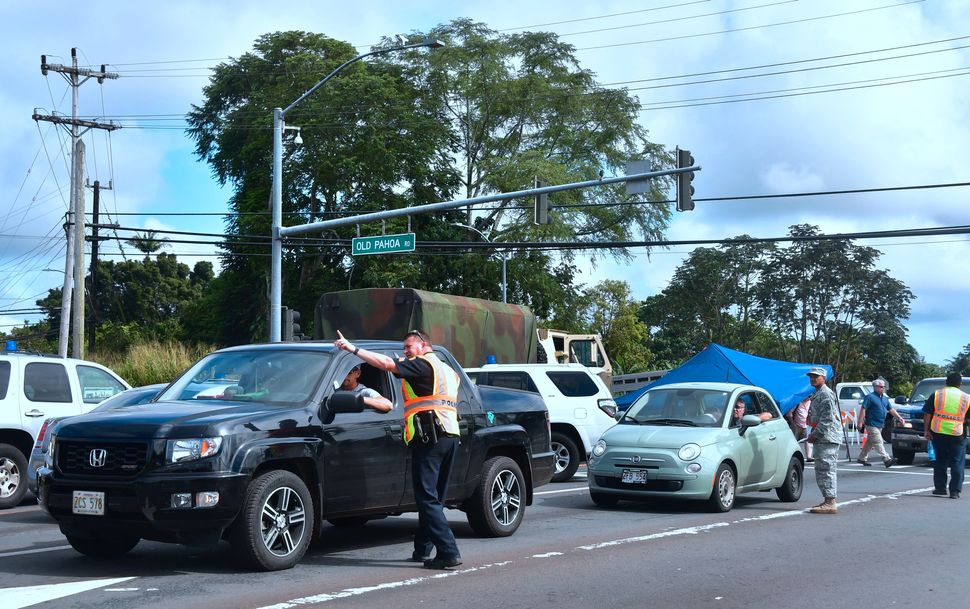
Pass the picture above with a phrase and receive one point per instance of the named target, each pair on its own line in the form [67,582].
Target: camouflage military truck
[471,328]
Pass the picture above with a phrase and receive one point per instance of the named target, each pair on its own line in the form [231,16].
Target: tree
[960,363]
[486,114]
[613,315]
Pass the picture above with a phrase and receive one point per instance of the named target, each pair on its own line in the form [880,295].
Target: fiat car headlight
[177,451]
[599,448]
[689,452]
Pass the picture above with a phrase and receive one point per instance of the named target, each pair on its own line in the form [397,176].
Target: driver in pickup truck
[372,399]
[430,389]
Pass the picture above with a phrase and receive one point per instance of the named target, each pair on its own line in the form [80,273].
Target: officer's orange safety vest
[949,409]
[441,402]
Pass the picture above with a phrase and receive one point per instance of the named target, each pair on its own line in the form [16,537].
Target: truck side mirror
[341,402]
[901,399]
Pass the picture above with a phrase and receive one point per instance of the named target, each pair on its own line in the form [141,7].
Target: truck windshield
[270,376]
[927,387]
[691,407]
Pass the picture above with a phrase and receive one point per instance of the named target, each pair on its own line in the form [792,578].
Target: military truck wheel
[904,457]
[567,457]
[725,485]
[274,527]
[497,507]
[13,476]
[106,546]
[791,490]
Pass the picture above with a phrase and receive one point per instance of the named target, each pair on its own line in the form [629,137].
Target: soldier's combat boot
[826,507]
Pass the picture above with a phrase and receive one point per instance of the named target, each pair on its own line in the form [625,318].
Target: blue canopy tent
[786,382]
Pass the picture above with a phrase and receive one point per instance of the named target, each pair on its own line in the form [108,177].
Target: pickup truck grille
[101,458]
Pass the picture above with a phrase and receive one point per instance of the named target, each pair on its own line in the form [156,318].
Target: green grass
[153,362]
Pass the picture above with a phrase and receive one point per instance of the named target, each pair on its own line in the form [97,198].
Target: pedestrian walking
[875,408]
[826,435]
[430,389]
[944,422]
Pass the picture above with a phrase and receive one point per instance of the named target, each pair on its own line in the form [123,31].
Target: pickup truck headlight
[177,451]
[49,457]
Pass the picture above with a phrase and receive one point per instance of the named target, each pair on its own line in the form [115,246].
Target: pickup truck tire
[497,507]
[274,527]
[791,489]
[567,457]
[724,492]
[103,547]
[903,456]
[13,476]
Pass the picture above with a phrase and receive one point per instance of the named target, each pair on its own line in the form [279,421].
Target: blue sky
[876,132]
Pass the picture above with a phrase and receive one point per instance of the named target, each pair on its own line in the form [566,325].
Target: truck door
[364,453]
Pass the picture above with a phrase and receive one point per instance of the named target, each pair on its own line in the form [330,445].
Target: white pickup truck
[850,397]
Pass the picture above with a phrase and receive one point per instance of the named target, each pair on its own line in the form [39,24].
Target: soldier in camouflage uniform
[826,435]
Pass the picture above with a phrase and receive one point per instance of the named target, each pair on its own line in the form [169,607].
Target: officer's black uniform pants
[430,469]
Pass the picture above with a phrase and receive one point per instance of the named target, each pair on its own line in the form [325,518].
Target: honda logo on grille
[97,457]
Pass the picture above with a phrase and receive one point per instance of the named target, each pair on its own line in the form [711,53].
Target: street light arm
[472,228]
[417,45]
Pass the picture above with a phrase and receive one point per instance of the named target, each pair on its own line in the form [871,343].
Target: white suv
[580,406]
[34,388]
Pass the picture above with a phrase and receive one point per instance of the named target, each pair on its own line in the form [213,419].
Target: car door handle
[395,431]
[33,413]
[772,437]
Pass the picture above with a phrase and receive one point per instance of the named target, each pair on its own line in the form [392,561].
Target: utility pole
[95,240]
[75,77]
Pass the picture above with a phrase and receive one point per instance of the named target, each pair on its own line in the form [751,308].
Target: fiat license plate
[88,502]
[634,476]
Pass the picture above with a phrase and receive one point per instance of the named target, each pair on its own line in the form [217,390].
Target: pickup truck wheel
[904,457]
[498,505]
[13,476]
[725,485]
[567,457]
[791,490]
[274,527]
[103,547]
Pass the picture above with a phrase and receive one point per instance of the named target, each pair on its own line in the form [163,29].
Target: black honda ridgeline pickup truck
[257,445]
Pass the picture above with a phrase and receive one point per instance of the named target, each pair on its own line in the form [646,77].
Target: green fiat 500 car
[706,441]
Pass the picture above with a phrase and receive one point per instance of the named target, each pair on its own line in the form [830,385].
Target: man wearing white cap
[826,435]
[875,409]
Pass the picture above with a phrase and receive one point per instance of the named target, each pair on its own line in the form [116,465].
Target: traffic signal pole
[316,227]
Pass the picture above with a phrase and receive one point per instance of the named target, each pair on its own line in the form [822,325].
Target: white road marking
[326,597]
[323,598]
[15,598]
[34,551]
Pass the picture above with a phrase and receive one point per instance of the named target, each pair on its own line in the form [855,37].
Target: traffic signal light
[291,325]
[685,191]
[541,205]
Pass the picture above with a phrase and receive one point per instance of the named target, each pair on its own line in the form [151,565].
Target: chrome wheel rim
[283,521]
[562,457]
[725,487]
[9,477]
[506,498]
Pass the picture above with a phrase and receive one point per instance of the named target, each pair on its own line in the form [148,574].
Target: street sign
[382,244]
[642,186]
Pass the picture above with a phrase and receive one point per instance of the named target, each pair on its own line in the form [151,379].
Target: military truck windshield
[270,376]
[693,407]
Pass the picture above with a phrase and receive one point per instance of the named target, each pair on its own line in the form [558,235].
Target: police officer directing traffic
[430,389]
[944,420]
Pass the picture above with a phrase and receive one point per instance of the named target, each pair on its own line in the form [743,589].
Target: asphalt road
[892,544]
